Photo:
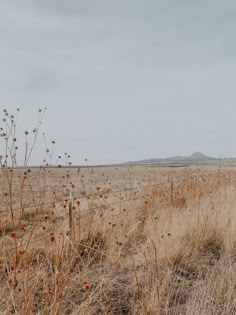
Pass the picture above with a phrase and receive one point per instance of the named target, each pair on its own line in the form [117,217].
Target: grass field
[118,240]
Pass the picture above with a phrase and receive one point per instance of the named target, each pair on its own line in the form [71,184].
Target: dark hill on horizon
[195,157]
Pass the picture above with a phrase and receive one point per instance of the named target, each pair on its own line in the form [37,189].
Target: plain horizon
[155,161]
[122,80]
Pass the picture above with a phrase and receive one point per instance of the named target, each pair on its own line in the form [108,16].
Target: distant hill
[195,157]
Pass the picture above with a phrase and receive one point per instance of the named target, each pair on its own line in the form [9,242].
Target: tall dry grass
[146,240]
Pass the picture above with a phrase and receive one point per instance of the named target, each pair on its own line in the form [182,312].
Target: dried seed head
[13,234]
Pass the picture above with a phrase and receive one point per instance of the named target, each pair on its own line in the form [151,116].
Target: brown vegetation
[115,240]
[145,240]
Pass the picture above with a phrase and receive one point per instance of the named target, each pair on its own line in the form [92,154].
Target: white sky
[122,80]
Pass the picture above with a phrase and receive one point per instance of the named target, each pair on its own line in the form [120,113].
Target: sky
[122,80]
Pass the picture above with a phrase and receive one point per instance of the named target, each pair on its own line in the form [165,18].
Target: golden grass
[145,240]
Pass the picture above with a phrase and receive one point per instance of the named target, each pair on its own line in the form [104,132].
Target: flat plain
[118,240]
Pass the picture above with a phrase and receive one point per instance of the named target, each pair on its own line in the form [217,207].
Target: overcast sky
[123,79]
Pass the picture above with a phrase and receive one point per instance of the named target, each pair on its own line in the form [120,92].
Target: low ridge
[194,157]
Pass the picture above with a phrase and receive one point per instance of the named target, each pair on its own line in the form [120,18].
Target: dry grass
[145,240]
